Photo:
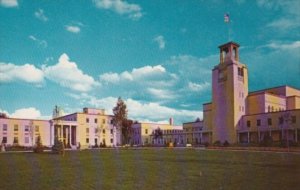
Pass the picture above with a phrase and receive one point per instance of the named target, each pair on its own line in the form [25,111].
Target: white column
[248,137]
[70,132]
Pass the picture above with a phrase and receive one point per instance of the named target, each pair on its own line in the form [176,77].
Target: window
[4,127]
[280,120]
[26,128]
[96,120]
[26,140]
[248,123]
[87,130]
[111,131]
[4,140]
[111,140]
[103,121]
[240,71]
[269,121]
[146,140]
[87,140]
[96,130]
[103,131]
[16,140]
[111,121]
[87,120]
[16,128]
[146,131]
[37,128]
[293,119]
[258,122]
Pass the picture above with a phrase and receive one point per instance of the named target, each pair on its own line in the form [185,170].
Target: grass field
[150,169]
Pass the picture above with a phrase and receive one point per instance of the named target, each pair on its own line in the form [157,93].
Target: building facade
[25,132]
[238,116]
[92,127]
[143,133]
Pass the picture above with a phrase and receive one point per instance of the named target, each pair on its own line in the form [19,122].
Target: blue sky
[156,55]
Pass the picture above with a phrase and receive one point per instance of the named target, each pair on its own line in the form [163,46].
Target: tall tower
[230,90]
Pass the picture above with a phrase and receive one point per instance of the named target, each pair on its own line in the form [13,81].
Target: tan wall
[293,102]
[40,128]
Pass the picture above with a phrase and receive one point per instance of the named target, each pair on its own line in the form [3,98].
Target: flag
[226,17]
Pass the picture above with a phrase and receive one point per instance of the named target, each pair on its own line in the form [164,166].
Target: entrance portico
[67,132]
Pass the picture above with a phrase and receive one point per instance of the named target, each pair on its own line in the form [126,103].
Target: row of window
[16,140]
[272,109]
[87,140]
[96,130]
[269,121]
[16,128]
[96,121]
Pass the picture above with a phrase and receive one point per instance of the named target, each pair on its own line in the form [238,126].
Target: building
[92,127]
[236,115]
[142,133]
[24,132]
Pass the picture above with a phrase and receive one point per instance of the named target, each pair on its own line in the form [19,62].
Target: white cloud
[147,111]
[9,3]
[39,14]
[161,93]
[136,74]
[73,28]
[156,112]
[41,43]
[26,113]
[198,87]
[121,7]
[67,74]
[110,77]
[160,41]
[28,73]
[290,18]
[282,46]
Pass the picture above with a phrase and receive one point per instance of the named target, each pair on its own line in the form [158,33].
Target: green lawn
[150,169]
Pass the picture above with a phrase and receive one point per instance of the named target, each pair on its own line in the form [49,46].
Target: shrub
[58,147]
[226,143]
[38,146]
[267,141]
[217,143]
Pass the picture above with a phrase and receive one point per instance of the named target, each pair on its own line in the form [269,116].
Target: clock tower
[230,90]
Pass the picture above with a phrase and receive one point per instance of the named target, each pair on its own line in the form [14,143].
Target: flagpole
[227,21]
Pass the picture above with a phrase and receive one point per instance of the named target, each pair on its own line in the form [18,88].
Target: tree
[38,145]
[58,147]
[3,115]
[157,134]
[127,130]
[120,119]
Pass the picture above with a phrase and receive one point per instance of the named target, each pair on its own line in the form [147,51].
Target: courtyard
[153,168]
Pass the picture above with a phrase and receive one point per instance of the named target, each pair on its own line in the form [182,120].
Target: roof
[231,42]
[272,88]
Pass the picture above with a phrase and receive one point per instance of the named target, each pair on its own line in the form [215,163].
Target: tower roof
[229,43]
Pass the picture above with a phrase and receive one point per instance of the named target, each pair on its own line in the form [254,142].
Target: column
[61,132]
[201,137]
[248,137]
[70,135]
[238,137]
